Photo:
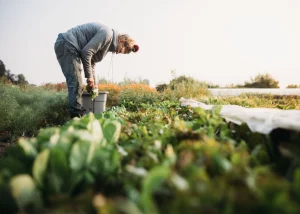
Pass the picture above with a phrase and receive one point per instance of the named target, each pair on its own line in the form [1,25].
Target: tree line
[259,81]
[8,76]
[263,81]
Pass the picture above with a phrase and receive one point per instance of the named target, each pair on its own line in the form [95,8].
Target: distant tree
[21,80]
[262,81]
[234,86]
[102,80]
[161,87]
[10,76]
[185,80]
[293,86]
[211,85]
[6,74]
[127,81]
[2,69]
[144,81]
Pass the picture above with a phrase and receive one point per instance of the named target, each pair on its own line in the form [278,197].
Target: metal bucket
[98,105]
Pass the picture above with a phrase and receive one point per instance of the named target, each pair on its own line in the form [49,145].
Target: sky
[218,41]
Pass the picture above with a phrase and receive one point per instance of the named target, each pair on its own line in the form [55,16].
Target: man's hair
[128,41]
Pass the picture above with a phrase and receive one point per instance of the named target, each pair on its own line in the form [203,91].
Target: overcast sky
[218,41]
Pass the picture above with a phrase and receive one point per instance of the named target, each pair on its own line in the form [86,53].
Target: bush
[55,86]
[161,87]
[138,94]
[25,110]
[113,98]
[122,94]
[186,80]
[293,86]
[262,81]
[5,80]
[186,87]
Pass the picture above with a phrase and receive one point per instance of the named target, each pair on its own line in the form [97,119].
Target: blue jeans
[70,63]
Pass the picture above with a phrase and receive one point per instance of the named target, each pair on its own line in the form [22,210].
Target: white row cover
[262,120]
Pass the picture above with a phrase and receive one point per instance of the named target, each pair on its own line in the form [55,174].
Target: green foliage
[262,81]
[257,100]
[183,86]
[128,81]
[103,80]
[151,184]
[2,69]
[25,110]
[12,78]
[293,86]
[25,192]
[125,81]
[161,87]
[68,161]
[151,156]
[132,98]
[211,85]
[4,80]
[186,81]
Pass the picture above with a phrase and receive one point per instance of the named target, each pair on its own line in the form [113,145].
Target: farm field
[145,154]
[266,91]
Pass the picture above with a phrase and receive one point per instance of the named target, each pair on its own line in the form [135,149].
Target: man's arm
[94,72]
[92,80]
[95,44]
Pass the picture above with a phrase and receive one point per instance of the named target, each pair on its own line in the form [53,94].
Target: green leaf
[151,183]
[95,129]
[79,154]
[217,109]
[28,148]
[112,130]
[76,182]
[296,183]
[66,140]
[12,167]
[59,171]
[25,192]
[40,166]
[7,201]
[45,135]
[106,160]
[93,147]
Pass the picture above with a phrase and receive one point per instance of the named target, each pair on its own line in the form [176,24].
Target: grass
[24,110]
[257,101]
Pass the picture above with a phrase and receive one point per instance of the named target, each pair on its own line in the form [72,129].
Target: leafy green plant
[152,158]
[186,87]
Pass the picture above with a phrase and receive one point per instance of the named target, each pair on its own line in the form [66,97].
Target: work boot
[79,114]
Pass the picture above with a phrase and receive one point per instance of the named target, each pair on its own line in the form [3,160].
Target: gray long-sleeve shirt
[92,41]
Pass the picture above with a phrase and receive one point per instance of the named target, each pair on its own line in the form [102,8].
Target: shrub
[121,94]
[113,98]
[5,80]
[128,81]
[186,81]
[293,86]
[25,110]
[138,94]
[262,81]
[55,86]
[186,87]
[161,87]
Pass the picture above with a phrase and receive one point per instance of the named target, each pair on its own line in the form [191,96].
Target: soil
[4,142]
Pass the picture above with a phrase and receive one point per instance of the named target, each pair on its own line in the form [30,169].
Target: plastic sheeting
[262,120]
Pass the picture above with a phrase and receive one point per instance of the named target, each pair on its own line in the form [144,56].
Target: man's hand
[90,82]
